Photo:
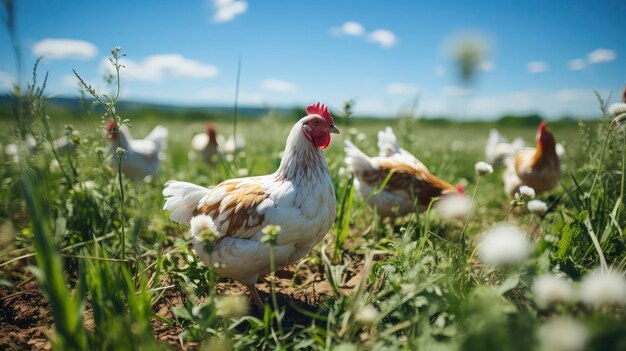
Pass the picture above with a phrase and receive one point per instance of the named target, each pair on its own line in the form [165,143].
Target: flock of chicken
[295,206]
[292,209]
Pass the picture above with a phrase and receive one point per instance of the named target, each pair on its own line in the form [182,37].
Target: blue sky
[537,56]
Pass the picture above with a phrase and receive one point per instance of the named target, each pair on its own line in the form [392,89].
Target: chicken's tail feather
[182,199]
[355,159]
[159,136]
[387,142]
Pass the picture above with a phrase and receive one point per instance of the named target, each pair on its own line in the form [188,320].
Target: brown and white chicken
[411,182]
[204,146]
[299,198]
[538,168]
[142,156]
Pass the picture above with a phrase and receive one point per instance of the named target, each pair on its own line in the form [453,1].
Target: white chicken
[498,149]
[299,198]
[538,168]
[208,146]
[411,180]
[143,156]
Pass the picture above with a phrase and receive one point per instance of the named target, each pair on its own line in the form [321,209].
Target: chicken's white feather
[182,198]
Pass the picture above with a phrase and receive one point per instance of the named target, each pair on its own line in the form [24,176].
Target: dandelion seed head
[527,191]
[202,227]
[504,244]
[550,289]
[563,334]
[537,207]
[617,109]
[600,288]
[619,120]
[483,168]
[366,315]
[361,136]
[231,307]
[242,172]
[453,207]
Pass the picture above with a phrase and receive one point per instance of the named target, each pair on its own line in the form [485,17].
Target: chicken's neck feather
[301,158]
[544,155]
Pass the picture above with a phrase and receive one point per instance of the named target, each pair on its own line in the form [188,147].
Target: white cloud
[570,95]
[59,49]
[601,56]
[226,95]
[278,85]
[69,81]
[349,28]
[487,66]
[402,89]
[456,91]
[227,10]
[383,37]
[440,71]
[6,80]
[156,68]
[576,64]
[537,67]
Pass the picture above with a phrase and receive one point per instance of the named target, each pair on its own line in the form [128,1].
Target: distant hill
[73,106]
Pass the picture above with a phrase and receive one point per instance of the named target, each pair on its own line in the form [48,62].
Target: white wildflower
[242,172]
[550,289]
[617,109]
[504,244]
[563,334]
[537,207]
[527,191]
[361,136]
[341,171]
[366,315]
[603,288]
[353,131]
[232,306]
[229,157]
[483,168]
[453,206]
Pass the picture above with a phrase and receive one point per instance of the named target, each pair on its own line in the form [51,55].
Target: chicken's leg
[254,295]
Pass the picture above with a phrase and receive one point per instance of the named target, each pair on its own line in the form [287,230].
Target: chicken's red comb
[460,189]
[322,110]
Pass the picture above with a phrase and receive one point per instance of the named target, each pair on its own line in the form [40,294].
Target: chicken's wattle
[323,141]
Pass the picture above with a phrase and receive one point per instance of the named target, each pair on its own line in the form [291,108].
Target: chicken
[498,149]
[143,156]
[299,198]
[538,168]
[410,180]
[208,146]
[229,146]
[204,145]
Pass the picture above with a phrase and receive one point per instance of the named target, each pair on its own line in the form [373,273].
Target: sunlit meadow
[89,259]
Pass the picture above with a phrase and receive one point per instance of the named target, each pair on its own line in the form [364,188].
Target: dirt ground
[26,322]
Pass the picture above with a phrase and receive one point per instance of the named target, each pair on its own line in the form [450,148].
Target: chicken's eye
[316,122]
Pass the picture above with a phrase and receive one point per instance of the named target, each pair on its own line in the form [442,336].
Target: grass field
[76,276]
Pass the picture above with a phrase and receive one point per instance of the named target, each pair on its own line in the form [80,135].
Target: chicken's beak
[333,129]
